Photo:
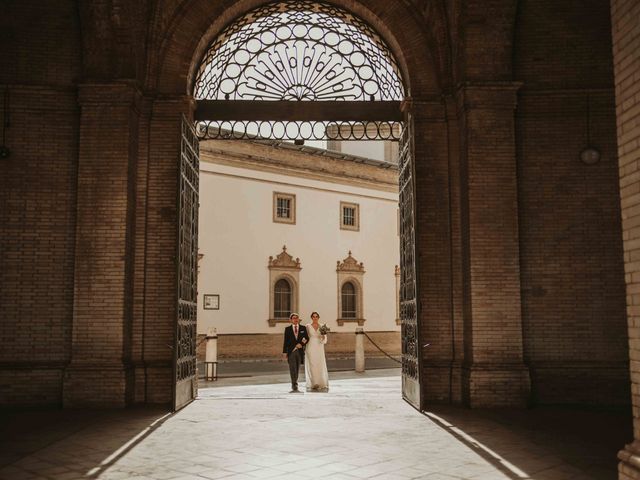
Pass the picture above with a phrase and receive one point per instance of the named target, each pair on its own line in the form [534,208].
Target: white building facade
[286,228]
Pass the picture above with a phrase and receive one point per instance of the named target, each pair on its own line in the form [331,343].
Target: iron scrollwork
[408,290]
[298,50]
[292,130]
[187,307]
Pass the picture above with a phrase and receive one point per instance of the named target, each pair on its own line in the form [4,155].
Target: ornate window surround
[356,207]
[283,267]
[349,270]
[292,198]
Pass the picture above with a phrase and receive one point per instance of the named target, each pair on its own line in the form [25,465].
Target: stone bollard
[211,355]
[359,350]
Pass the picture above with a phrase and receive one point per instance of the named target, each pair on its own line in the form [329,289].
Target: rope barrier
[376,345]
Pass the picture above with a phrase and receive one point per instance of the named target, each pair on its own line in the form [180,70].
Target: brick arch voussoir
[191,25]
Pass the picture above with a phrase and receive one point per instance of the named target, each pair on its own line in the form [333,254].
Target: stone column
[98,373]
[494,372]
[139,331]
[161,244]
[434,247]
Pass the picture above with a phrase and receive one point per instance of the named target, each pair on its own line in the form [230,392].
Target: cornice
[266,158]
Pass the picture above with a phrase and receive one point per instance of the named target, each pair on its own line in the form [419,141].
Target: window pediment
[350,264]
[284,261]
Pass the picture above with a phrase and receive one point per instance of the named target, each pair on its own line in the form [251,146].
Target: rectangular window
[349,216]
[284,208]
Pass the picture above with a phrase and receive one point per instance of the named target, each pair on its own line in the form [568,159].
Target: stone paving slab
[360,429]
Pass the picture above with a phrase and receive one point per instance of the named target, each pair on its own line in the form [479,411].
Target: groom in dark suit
[295,338]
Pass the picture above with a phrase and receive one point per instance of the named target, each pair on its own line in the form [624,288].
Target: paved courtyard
[360,429]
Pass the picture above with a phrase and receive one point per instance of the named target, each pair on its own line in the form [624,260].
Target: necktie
[295,330]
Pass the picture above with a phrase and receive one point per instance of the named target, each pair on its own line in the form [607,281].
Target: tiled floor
[360,429]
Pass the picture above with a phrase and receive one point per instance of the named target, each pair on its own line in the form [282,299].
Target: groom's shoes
[295,390]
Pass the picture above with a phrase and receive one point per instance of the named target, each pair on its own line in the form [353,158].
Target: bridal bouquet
[324,329]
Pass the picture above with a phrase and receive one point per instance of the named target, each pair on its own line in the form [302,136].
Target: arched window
[350,289]
[282,299]
[349,305]
[284,287]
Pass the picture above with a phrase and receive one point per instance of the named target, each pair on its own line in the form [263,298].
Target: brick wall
[625,20]
[565,252]
[494,373]
[40,61]
[433,255]
[573,315]
[269,346]
[157,318]
[40,43]
[104,232]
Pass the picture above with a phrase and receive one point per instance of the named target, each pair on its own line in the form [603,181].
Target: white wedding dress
[315,364]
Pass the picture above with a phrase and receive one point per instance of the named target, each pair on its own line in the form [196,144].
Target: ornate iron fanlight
[298,50]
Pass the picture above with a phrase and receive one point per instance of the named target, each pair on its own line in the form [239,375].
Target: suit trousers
[294,359]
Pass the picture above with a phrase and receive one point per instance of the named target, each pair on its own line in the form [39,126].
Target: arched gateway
[520,287]
[296,70]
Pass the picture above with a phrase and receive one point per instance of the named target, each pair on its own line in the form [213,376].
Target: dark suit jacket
[290,339]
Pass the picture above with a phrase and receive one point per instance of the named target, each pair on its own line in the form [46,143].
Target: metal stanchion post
[211,356]
[359,350]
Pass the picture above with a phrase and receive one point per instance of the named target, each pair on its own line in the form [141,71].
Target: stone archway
[111,96]
[452,195]
[294,70]
[426,106]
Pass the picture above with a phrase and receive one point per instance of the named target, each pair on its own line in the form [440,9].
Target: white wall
[237,236]
[369,149]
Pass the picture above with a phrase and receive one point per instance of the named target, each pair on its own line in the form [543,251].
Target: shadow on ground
[583,439]
[70,444]
[362,429]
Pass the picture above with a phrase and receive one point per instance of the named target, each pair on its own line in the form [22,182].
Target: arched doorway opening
[297,71]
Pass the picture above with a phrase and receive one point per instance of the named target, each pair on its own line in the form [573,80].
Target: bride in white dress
[315,364]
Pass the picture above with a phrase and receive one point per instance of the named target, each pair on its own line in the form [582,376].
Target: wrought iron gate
[300,70]
[185,371]
[408,288]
